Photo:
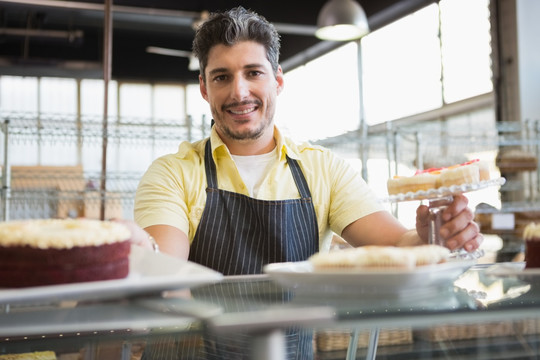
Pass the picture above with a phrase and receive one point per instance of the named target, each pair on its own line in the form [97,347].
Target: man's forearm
[410,238]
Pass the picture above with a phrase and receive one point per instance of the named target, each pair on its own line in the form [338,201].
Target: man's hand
[138,235]
[458,229]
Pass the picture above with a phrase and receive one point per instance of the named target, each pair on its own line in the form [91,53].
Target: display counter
[490,311]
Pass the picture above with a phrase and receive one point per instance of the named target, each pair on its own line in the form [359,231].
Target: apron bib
[238,235]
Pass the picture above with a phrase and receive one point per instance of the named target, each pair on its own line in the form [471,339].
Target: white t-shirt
[254,168]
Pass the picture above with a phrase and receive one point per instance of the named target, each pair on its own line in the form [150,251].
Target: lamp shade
[341,20]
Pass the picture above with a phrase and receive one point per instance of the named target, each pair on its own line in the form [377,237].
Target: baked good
[373,256]
[405,184]
[37,355]
[460,175]
[55,251]
[531,235]
[483,167]
[512,160]
[364,257]
[470,172]
[429,254]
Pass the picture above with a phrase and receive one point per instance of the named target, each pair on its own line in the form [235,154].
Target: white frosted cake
[55,251]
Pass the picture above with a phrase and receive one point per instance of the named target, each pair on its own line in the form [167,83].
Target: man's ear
[280,80]
[202,88]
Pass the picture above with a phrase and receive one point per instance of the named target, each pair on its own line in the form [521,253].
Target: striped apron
[238,235]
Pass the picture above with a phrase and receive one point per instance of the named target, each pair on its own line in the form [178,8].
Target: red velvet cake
[531,235]
[53,251]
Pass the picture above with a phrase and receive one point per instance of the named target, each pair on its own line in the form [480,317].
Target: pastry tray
[433,194]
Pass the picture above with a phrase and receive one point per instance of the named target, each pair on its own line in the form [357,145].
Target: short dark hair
[232,26]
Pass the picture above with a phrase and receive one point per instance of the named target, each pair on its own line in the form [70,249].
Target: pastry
[380,257]
[512,160]
[531,235]
[405,184]
[483,167]
[38,355]
[54,251]
[460,175]
[470,172]
[429,254]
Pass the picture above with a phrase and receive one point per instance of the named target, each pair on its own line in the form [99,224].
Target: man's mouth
[242,108]
[242,112]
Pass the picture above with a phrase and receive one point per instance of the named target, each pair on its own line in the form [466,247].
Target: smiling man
[248,196]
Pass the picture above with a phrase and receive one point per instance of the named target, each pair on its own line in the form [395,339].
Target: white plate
[149,273]
[302,276]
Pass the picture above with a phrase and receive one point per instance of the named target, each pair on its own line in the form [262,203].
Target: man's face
[241,89]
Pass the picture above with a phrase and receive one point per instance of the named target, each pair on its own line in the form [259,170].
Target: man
[248,196]
[229,202]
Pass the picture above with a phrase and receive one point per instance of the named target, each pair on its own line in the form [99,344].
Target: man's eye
[255,73]
[220,78]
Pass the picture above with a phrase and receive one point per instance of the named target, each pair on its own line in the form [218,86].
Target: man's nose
[240,88]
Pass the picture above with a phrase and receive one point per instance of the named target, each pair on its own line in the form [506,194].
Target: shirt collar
[217,143]
[283,144]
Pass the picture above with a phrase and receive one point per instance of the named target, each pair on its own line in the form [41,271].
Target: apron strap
[299,178]
[210,167]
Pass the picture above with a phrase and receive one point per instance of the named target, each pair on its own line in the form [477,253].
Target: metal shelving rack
[71,191]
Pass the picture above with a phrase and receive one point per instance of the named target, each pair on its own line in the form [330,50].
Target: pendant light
[341,20]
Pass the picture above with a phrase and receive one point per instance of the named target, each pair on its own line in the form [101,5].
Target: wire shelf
[61,192]
[67,191]
[54,128]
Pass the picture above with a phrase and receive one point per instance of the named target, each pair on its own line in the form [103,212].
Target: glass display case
[485,312]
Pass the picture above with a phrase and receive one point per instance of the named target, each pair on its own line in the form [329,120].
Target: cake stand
[438,200]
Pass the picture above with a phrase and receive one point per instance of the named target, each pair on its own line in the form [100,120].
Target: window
[466,49]
[404,62]
[18,94]
[92,102]
[168,104]
[57,96]
[135,101]
[321,99]
[401,67]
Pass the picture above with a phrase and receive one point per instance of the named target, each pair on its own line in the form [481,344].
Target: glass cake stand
[438,200]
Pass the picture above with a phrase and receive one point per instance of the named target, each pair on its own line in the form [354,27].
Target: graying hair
[232,26]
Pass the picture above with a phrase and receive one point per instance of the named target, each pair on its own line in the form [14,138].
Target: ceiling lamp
[341,20]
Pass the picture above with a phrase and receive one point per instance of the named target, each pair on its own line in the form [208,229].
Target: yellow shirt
[172,191]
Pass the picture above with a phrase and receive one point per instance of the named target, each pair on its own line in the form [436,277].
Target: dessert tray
[302,277]
[442,192]
[438,200]
[150,272]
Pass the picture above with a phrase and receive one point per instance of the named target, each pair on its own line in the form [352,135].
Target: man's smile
[242,108]
[242,112]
